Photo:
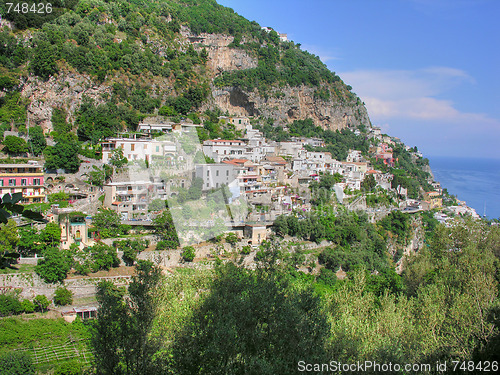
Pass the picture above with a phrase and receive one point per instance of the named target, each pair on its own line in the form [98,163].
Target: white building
[215,175]
[354,156]
[138,148]
[131,198]
[292,149]
[220,149]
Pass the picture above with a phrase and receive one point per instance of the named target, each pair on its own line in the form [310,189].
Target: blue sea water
[476,181]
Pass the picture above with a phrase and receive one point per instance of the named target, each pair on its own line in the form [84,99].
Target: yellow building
[434,199]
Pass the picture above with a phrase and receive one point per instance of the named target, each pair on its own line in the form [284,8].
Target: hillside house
[27,179]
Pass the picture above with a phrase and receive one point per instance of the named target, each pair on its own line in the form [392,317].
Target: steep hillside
[174,57]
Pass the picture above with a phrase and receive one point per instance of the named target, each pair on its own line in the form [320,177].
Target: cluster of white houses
[265,172]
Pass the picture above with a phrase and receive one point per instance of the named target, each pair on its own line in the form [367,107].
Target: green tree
[10,305]
[64,155]
[156,204]
[107,222]
[44,59]
[109,333]
[63,297]
[54,266]
[51,235]
[36,142]
[103,257]
[29,241]
[41,303]
[117,159]
[195,190]
[28,306]
[232,238]
[14,145]
[121,336]
[59,121]
[164,228]
[265,326]
[9,239]
[368,183]
[98,176]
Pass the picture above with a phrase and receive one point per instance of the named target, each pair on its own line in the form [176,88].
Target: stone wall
[31,285]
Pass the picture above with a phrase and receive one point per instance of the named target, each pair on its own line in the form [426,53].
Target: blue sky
[428,70]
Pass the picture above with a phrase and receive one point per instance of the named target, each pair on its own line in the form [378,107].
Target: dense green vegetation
[408,173]
[16,363]
[16,333]
[230,320]
[281,64]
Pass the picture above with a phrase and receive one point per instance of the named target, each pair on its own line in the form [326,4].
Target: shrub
[41,303]
[188,253]
[166,244]
[28,306]
[247,249]
[63,297]
[9,305]
[232,238]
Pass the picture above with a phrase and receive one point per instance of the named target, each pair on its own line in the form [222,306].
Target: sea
[474,180]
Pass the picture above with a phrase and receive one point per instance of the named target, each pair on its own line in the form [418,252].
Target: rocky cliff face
[289,104]
[64,91]
[283,104]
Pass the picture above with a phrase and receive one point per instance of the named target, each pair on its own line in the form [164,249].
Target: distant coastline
[474,180]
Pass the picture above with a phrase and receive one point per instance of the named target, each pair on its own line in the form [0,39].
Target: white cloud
[414,103]
[412,94]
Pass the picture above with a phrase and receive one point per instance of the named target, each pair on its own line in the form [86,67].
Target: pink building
[23,178]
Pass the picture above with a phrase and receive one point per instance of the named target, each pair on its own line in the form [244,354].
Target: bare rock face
[64,91]
[284,104]
[292,103]
[220,56]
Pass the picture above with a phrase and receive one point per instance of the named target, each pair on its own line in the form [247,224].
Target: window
[227,172]
[217,173]
[157,148]
[208,173]
[132,147]
[24,182]
[1,182]
[12,182]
